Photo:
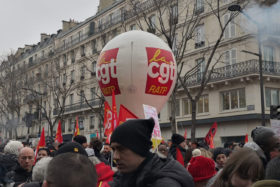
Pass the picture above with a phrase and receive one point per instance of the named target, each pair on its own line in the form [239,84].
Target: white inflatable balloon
[140,67]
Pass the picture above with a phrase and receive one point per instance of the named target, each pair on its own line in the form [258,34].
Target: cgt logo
[106,72]
[161,71]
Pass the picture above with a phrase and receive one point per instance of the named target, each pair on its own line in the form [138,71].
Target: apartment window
[91,122]
[177,107]
[71,125]
[233,99]
[91,28]
[174,12]
[83,50]
[71,99]
[72,55]
[79,35]
[64,44]
[152,21]
[230,57]
[104,39]
[64,79]
[71,40]
[230,29]
[187,106]
[203,104]
[93,46]
[63,126]
[200,68]
[46,70]
[81,123]
[43,53]
[64,59]
[199,6]
[72,76]
[199,36]
[93,68]
[174,44]
[83,71]
[82,96]
[133,27]
[93,93]
[268,53]
[272,96]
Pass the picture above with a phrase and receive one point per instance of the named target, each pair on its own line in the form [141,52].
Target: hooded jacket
[154,172]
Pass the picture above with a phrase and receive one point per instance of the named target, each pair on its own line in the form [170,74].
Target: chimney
[44,36]
[67,25]
[105,4]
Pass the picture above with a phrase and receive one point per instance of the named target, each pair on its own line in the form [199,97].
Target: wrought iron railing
[237,70]
[78,106]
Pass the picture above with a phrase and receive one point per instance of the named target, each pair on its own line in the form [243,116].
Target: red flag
[114,110]
[210,135]
[179,157]
[58,136]
[107,124]
[41,143]
[125,114]
[185,135]
[97,134]
[246,138]
[77,129]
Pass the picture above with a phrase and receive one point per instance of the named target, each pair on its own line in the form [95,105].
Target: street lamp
[239,9]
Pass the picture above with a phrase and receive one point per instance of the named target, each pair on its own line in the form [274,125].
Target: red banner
[210,135]
[125,114]
[185,135]
[58,136]
[246,138]
[107,124]
[41,143]
[77,129]
[114,110]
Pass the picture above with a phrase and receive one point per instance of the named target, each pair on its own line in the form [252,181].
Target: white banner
[275,125]
[151,112]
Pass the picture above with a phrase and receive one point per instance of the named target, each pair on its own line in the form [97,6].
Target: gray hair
[40,169]
[13,147]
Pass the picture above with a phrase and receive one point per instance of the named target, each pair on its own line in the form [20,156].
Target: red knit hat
[201,168]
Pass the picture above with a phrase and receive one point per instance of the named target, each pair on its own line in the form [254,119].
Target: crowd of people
[130,161]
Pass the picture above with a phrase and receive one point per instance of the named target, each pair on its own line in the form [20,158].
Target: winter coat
[173,153]
[8,163]
[33,184]
[153,172]
[267,183]
[104,173]
[20,175]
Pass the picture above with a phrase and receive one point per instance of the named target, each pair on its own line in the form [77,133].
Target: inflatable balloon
[140,68]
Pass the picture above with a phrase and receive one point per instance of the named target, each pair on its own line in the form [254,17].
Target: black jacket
[154,172]
[172,152]
[20,175]
[8,163]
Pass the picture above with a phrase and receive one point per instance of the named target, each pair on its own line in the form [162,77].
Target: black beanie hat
[218,151]
[72,147]
[80,139]
[261,134]
[177,139]
[135,135]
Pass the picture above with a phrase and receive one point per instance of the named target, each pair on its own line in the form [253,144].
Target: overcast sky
[22,21]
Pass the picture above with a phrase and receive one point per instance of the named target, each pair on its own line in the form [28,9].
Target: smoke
[266,14]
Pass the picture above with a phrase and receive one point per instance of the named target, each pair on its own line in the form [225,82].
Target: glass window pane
[186,106]
[242,98]
[274,97]
[177,107]
[267,97]
[225,98]
[206,104]
[200,105]
[234,99]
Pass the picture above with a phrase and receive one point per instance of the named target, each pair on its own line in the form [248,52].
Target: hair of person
[40,169]
[96,144]
[45,149]
[79,170]
[13,147]
[206,153]
[244,163]
[80,139]
[272,171]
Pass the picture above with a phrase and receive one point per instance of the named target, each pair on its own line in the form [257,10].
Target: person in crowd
[206,153]
[242,169]
[220,157]
[81,140]
[39,172]
[137,166]
[264,142]
[162,150]
[97,145]
[8,160]
[23,171]
[72,147]
[272,174]
[43,152]
[107,153]
[201,169]
[169,143]
[194,145]
[77,168]
[177,149]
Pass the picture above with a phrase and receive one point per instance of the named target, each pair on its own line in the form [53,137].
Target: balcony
[78,106]
[241,69]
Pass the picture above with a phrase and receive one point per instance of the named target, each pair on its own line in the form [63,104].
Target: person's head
[219,156]
[201,169]
[272,171]
[71,147]
[107,148]
[40,169]
[266,138]
[178,140]
[194,145]
[81,140]
[131,143]
[206,153]
[242,169]
[13,147]
[55,145]
[163,149]
[96,145]
[78,169]
[26,158]
[43,152]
